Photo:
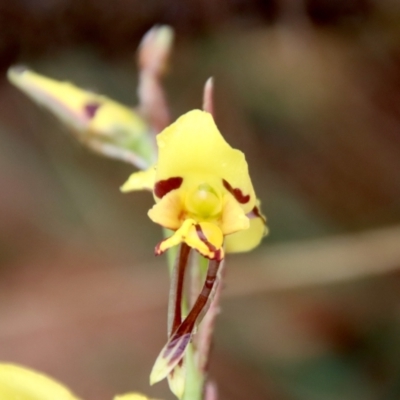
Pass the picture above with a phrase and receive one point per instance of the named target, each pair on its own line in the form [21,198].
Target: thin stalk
[206,329]
[176,289]
[194,385]
[195,377]
[197,353]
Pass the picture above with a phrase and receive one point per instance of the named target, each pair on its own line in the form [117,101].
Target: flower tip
[169,358]
[16,70]
[176,381]
[155,48]
[142,180]
[17,382]
[160,371]
[127,186]
[208,96]
[157,250]
[164,36]
[16,73]
[160,35]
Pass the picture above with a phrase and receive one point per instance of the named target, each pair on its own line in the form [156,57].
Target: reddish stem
[181,268]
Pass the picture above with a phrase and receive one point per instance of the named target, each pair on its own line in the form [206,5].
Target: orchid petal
[233,218]
[250,238]
[193,146]
[176,380]
[25,384]
[205,237]
[142,180]
[167,211]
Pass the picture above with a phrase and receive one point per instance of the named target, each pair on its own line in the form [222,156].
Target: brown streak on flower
[236,193]
[163,187]
[204,239]
[256,213]
[91,109]
[211,247]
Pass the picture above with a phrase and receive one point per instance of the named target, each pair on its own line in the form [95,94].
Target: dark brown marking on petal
[217,252]
[91,109]
[256,213]
[236,193]
[172,373]
[161,188]
[204,239]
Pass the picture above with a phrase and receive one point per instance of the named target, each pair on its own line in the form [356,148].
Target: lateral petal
[205,237]
[167,213]
[248,239]
[233,217]
[25,384]
[176,380]
[142,180]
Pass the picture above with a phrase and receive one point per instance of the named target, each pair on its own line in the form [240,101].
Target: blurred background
[310,91]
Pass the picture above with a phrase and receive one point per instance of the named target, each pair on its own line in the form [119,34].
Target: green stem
[194,385]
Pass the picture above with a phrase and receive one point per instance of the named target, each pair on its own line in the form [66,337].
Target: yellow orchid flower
[100,123]
[25,384]
[20,383]
[202,189]
[204,195]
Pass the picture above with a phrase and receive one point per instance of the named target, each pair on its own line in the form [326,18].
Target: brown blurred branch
[316,262]
[279,267]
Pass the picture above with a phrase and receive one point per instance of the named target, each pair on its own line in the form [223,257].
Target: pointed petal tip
[17,69]
[154,49]
[126,187]
[160,371]
[208,94]
[157,250]
[15,73]
[18,382]
[166,34]
[163,33]
[171,354]
[176,381]
[141,180]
